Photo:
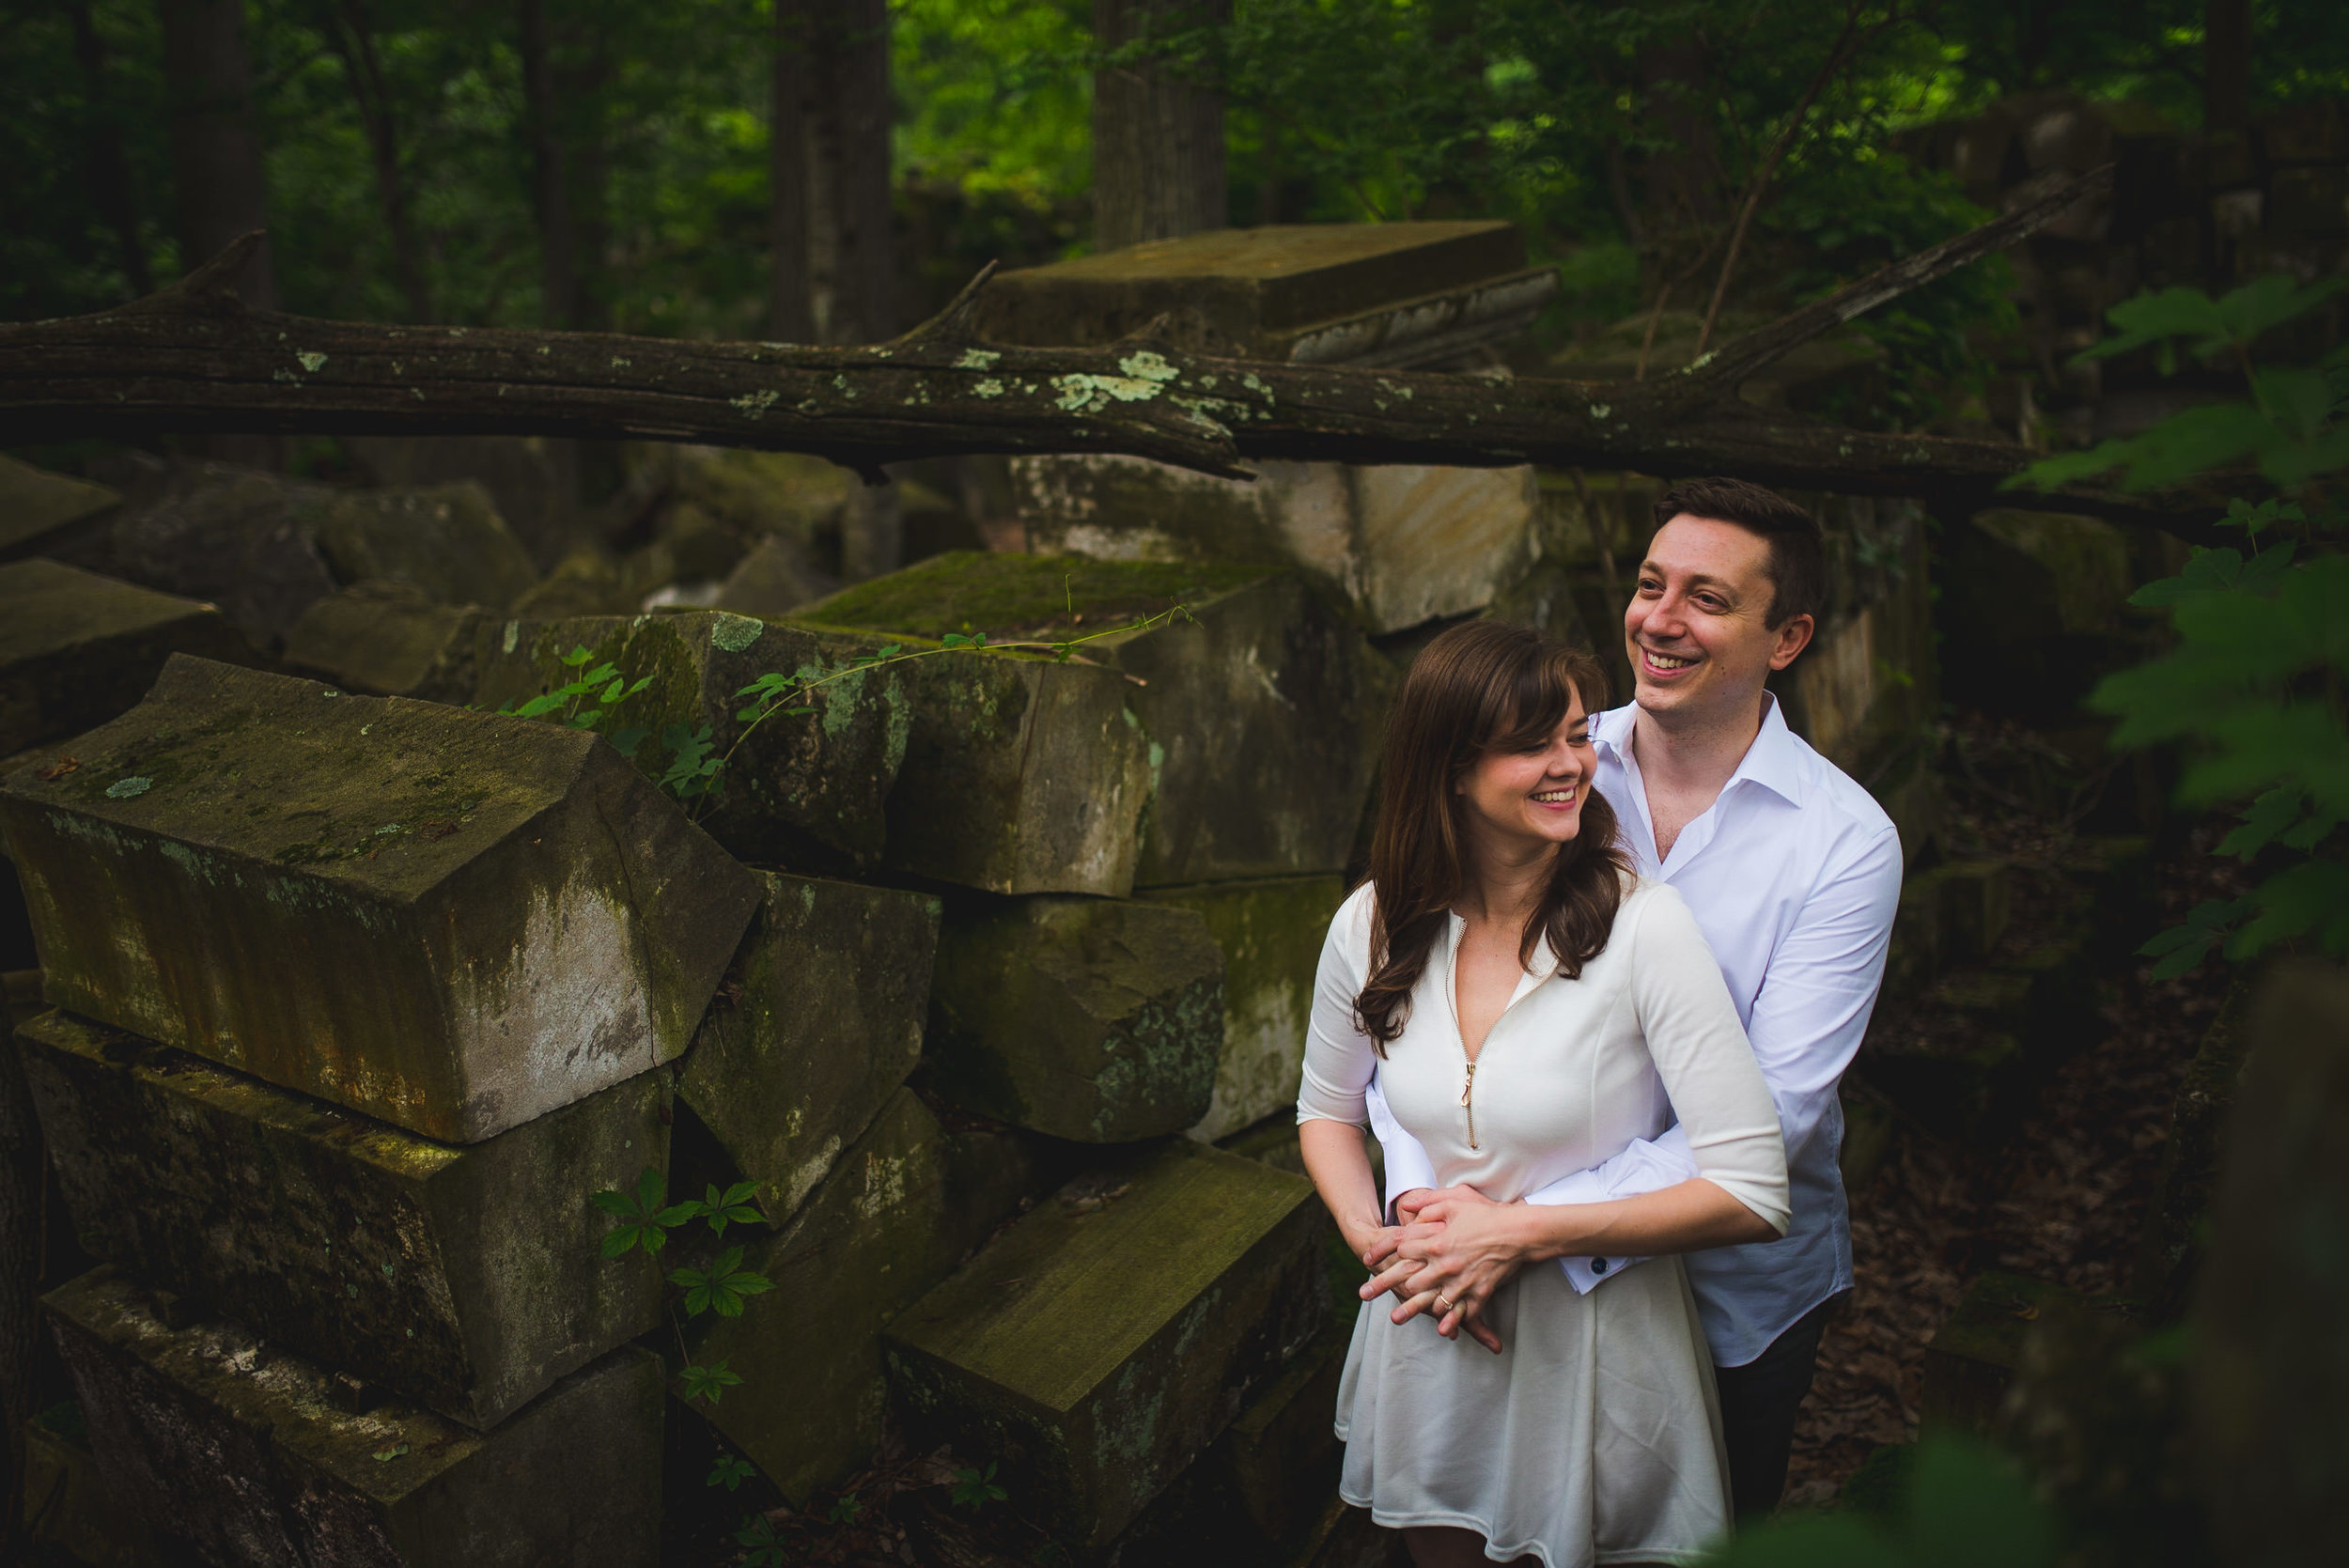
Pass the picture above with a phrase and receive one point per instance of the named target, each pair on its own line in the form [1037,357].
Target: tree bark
[351,32]
[108,170]
[1158,134]
[790,312]
[221,190]
[853,216]
[20,1266]
[2226,65]
[194,357]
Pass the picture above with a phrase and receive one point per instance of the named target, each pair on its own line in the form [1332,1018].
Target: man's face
[1694,630]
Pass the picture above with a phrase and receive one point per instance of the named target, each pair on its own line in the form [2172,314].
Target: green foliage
[708,1383]
[586,700]
[847,1509]
[723,1288]
[644,1221]
[1962,1507]
[764,1547]
[975,1488]
[2253,687]
[731,1207]
[730,1472]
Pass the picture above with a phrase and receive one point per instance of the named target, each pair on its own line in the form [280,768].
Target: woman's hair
[1479,687]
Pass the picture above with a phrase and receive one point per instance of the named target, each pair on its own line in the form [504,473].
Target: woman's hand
[1460,1249]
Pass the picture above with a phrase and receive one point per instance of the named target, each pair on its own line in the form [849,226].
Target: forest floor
[2061,1196]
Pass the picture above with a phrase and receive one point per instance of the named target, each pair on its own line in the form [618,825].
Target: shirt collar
[1774,760]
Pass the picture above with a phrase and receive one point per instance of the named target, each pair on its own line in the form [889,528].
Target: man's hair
[1797,550]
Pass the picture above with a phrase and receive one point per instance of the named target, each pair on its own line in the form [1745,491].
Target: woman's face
[1534,795]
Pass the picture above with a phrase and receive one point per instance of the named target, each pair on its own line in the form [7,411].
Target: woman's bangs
[1539,695]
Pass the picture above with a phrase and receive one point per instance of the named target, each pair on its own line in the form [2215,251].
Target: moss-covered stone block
[68,1506]
[1257,712]
[907,1202]
[37,508]
[387,638]
[820,1022]
[450,921]
[802,790]
[1397,543]
[448,540]
[1970,1360]
[1098,1346]
[239,1453]
[1095,1020]
[77,648]
[1271,934]
[466,1280]
[1954,1082]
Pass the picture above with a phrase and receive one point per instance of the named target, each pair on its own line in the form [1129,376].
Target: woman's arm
[1339,1164]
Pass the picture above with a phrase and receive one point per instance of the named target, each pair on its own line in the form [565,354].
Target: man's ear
[1793,638]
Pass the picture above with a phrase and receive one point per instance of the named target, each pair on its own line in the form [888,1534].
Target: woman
[1531,1007]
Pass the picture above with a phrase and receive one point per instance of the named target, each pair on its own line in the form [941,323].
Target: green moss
[1024,597]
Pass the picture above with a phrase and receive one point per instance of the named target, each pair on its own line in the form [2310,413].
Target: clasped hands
[1455,1248]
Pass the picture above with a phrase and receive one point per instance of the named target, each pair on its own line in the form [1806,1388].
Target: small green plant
[730,1472]
[645,1219]
[976,1489]
[2253,687]
[847,1509]
[764,1547]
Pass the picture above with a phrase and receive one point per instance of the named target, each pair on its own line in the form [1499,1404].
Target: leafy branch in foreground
[645,1219]
[2253,685]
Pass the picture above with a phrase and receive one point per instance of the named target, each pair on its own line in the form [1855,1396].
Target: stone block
[1098,1346]
[387,638]
[76,648]
[68,1506]
[2308,201]
[1404,293]
[243,1454]
[1257,711]
[1401,543]
[2037,600]
[804,789]
[1954,1082]
[39,508]
[1258,1496]
[446,539]
[1970,1360]
[530,479]
[907,1203]
[466,1280]
[2176,1223]
[450,921]
[1095,1020]
[820,1021]
[1271,934]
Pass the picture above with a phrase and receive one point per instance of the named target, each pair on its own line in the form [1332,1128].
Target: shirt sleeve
[1811,1011]
[1701,1055]
[1405,1157]
[1339,1058]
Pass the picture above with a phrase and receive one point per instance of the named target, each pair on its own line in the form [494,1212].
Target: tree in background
[1158,127]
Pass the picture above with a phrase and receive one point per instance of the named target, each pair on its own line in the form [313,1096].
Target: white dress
[1595,1436]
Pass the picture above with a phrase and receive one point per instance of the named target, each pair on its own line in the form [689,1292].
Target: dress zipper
[1468,1100]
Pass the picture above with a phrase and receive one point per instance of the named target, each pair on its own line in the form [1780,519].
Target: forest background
[584,164]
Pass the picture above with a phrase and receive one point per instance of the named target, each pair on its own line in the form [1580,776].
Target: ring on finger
[1441,1302]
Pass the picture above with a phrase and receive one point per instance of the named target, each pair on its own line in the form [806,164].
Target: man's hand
[1408,1207]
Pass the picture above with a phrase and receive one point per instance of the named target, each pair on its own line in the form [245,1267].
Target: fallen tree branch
[192,358]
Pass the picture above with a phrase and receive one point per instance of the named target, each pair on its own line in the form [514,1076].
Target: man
[1793,872]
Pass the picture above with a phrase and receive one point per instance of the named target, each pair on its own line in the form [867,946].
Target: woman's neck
[1505,880]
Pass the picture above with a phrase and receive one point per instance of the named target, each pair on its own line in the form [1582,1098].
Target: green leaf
[588,719]
[730,1472]
[629,741]
[643,1221]
[708,1383]
[614,691]
[577,656]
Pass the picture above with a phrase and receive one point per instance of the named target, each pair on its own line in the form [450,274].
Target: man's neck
[1689,760]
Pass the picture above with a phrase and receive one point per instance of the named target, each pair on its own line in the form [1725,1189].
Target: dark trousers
[1759,1402]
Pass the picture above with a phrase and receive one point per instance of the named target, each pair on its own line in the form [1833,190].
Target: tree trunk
[221,189]
[790,315]
[1684,184]
[351,33]
[2226,65]
[20,1266]
[108,171]
[1157,132]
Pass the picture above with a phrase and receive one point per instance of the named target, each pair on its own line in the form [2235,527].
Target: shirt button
[1599,1266]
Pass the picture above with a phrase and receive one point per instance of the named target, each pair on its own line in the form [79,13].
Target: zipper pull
[1468,1100]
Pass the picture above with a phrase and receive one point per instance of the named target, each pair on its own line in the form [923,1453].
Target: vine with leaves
[2253,687]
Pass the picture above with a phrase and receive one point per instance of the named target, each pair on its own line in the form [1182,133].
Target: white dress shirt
[1793,875]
